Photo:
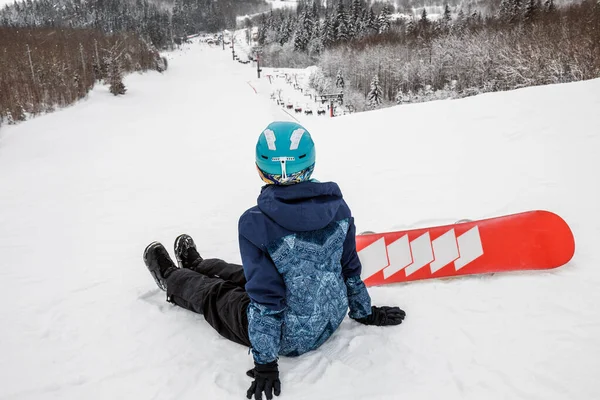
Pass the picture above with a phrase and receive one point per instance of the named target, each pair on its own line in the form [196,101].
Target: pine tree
[372,22]
[424,20]
[384,19]
[341,23]
[447,16]
[316,42]
[356,10]
[115,74]
[308,23]
[424,24]
[445,22]
[411,28]
[316,29]
[328,32]
[262,30]
[271,21]
[339,80]
[354,20]
[285,29]
[375,95]
[115,78]
[299,42]
[303,31]
[460,24]
[314,12]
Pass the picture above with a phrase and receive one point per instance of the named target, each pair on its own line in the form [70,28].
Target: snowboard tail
[525,241]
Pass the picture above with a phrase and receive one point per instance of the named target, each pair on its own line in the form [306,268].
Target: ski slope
[85,189]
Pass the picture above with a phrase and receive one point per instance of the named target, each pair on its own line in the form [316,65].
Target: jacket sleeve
[266,290]
[264,331]
[359,300]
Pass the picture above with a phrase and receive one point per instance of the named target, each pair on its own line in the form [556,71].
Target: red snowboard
[525,241]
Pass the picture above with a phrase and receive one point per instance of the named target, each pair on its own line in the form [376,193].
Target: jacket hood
[301,207]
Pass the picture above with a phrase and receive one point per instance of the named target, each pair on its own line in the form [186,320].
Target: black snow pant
[215,289]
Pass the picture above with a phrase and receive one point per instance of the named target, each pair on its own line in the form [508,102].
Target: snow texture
[85,189]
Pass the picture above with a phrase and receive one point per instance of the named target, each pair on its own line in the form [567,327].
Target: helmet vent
[302,156]
[265,157]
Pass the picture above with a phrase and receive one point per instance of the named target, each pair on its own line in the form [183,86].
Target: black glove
[381,316]
[266,379]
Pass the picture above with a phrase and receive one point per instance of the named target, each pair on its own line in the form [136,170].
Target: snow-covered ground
[85,189]
[274,4]
[277,4]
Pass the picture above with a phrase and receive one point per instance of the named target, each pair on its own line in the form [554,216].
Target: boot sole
[147,251]
[153,271]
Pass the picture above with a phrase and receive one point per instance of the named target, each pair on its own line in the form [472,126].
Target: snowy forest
[53,52]
[158,23]
[379,61]
[45,68]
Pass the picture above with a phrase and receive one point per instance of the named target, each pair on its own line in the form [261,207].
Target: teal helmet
[285,153]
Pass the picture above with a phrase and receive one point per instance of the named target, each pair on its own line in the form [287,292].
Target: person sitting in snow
[300,270]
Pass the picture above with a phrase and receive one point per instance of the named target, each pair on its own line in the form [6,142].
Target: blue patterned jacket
[299,256]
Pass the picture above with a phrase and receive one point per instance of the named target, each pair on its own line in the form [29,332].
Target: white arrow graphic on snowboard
[445,250]
[399,256]
[470,247]
[412,256]
[422,253]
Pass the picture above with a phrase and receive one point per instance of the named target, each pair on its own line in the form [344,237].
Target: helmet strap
[282,162]
[283,172]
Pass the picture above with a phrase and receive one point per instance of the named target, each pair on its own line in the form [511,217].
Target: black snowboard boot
[185,251]
[159,263]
